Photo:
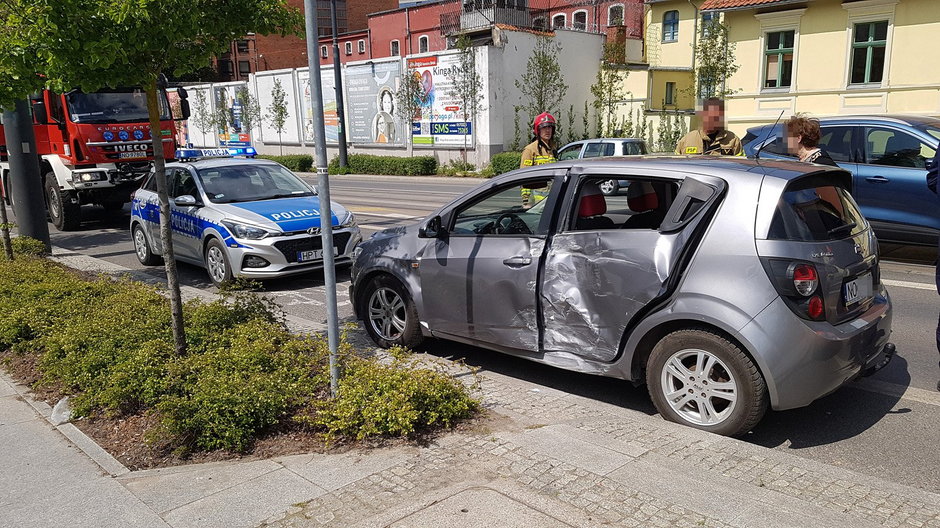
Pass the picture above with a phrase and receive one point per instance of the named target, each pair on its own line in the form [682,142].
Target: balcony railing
[481,14]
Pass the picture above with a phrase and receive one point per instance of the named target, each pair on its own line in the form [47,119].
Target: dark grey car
[725,284]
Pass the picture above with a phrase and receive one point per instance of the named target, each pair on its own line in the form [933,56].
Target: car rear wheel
[217,263]
[699,378]
[609,187]
[142,248]
[389,314]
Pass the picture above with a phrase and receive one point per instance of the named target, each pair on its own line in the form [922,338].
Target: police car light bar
[190,154]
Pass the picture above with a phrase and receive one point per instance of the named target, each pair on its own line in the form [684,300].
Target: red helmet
[543,119]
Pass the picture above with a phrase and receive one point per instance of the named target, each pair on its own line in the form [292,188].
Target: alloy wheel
[215,262]
[387,313]
[699,387]
[140,244]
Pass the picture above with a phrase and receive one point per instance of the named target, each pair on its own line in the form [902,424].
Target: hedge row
[505,162]
[108,343]
[294,162]
[392,165]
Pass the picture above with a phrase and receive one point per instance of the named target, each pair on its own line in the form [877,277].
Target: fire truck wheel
[65,214]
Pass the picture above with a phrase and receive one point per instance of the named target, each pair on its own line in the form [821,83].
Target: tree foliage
[250,108]
[408,101]
[608,92]
[467,88]
[277,111]
[542,86]
[714,61]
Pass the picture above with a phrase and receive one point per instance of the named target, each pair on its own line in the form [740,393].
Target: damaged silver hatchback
[726,285]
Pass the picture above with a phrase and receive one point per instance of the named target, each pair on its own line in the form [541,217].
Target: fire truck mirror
[184,110]
[39,113]
[182,93]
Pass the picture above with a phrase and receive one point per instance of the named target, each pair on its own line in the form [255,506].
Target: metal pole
[323,187]
[338,81]
[25,178]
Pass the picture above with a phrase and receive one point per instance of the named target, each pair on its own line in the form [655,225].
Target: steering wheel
[509,223]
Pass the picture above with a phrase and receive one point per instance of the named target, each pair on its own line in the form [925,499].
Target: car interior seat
[643,200]
[903,151]
[591,209]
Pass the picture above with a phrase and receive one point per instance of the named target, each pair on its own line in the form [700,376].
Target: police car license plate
[314,254]
[858,290]
[124,155]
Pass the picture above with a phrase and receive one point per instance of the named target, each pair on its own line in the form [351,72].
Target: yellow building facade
[820,57]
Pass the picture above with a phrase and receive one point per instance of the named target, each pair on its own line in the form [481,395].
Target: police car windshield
[250,183]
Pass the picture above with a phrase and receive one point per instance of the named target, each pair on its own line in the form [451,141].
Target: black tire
[389,314]
[142,247]
[217,263]
[726,366]
[64,214]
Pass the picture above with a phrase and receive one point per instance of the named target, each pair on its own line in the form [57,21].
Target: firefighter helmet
[542,120]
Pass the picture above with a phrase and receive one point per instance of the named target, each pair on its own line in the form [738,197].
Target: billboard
[370,103]
[440,120]
[330,118]
[233,133]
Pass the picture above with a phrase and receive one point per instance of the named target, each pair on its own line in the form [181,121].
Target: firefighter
[542,150]
[711,137]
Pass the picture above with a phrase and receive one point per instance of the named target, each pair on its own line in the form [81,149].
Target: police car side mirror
[186,200]
[432,229]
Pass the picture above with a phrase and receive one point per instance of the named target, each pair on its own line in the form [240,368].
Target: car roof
[898,119]
[728,168]
[207,163]
[624,140]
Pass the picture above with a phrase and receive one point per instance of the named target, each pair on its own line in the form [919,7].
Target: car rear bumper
[803,361]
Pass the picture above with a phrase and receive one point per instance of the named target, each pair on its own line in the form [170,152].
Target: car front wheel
[389,314]
[699,378]
[217,263]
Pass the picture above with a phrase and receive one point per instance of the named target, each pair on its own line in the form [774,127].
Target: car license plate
[314,254]
[858,290]
[124,155]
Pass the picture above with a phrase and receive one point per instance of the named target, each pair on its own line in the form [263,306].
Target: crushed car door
[615,257]
[478,281]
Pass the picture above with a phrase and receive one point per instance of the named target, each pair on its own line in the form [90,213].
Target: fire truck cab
[93,148]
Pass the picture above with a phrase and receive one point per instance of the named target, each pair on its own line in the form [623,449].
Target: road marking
[908,284]
[898,391]
[397,216]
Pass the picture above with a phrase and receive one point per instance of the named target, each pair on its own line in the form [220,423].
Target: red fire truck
[93,148]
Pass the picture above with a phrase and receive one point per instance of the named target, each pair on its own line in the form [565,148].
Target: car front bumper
[803,361]
[281,253]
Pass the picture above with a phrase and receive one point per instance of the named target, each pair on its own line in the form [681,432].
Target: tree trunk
[280,144]
[159,168]
[5,229]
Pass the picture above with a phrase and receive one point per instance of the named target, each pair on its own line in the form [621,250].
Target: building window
[348,48]
[670,98]
[225,67]
[394,48]
[559,21]
[707,20]
[324,52]
[538,23]
[362,46]
[579,20]
[869,43]
[244,68]
[778,59]
[423,44]
[242,46]
[671,26]
[615,15]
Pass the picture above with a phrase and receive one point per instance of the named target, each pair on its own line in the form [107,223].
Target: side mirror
[432,229]
[182,93]
[184,110]
[186,200]
[39,112]
[931,163]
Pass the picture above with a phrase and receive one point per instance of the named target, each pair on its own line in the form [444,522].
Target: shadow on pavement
[842,415]
[609,390]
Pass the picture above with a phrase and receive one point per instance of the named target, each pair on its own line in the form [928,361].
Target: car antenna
[769,132]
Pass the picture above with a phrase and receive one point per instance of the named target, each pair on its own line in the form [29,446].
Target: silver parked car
[237,217]
[727,285]
[605,147]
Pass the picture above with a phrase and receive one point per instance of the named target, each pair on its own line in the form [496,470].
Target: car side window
[569,153]
[150,184]
[186,184]
[638,204]
[511,210]
[895,149]
[837,142]
[633,149]
[172,181]
[594,150]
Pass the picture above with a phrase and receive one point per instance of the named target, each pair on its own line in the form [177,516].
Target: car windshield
[113,107]
[816,214]
[933,131]
[250,183]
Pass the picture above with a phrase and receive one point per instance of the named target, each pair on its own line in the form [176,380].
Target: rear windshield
[816,214]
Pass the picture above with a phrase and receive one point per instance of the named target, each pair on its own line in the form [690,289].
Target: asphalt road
[887,425]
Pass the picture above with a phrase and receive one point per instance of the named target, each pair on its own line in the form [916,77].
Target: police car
[238,217]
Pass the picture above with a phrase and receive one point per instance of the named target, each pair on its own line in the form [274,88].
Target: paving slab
[479,508]
[333,471]
[14,410]
[562,441]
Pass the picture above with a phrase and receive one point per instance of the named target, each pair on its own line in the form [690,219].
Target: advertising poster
[331,121]
[440,119]
[370,103]
[231,134]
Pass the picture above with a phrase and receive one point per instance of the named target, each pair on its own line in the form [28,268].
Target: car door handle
[877,179]
[517,261]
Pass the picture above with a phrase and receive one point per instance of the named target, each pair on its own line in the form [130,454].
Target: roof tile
[731,4]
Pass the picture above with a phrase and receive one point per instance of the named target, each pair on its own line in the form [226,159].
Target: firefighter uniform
[724,143]
[537,153]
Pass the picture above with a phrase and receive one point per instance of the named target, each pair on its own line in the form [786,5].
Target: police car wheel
[609,187]
[142,248]
[217,263]
[390,315]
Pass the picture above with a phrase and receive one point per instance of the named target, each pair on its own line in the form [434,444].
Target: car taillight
[805,279]
[815,308]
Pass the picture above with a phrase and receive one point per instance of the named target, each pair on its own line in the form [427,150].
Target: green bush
[294,162]
[109,344]
[457,168]
[391,165]
[28,246]
[505,162]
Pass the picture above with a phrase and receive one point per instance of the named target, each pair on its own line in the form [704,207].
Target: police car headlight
[246,231]
[349,221]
